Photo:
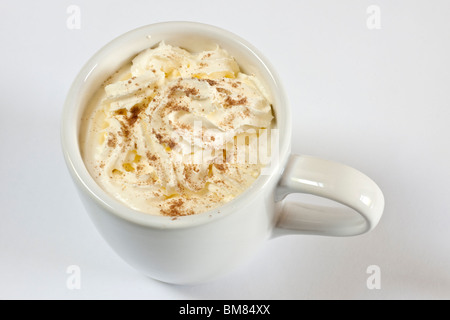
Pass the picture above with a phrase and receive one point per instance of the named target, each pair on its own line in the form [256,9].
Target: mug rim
[86,183]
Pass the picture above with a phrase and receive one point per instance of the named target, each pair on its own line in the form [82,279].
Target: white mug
[197,248]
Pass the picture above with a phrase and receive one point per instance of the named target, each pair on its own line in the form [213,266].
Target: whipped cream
[172,132]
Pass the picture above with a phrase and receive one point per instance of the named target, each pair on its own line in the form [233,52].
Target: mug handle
[363,199]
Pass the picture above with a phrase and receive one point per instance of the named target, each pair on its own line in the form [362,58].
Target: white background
[378,100]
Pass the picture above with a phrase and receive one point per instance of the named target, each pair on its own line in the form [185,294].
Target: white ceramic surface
[197,248]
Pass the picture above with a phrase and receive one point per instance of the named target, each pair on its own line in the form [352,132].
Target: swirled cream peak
[170,132]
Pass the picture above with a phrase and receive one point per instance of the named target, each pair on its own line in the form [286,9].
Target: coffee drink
[177,133]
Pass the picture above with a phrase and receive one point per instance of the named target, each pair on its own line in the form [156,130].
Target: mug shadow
[335,268]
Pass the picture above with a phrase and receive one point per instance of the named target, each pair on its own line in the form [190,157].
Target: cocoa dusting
[188,171]
[173,91]
[173,105]
[179,88]
[235,84]
[124,131]
[223,90]
[191,91]
[109,79]
[121,112]
[158,136]
[184,126]
[220,166]
[176,209]
[112,141]
[134,114]
[228,122]
[229,102]
[151,156]
[164,141]
[212,83]
[207,55]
